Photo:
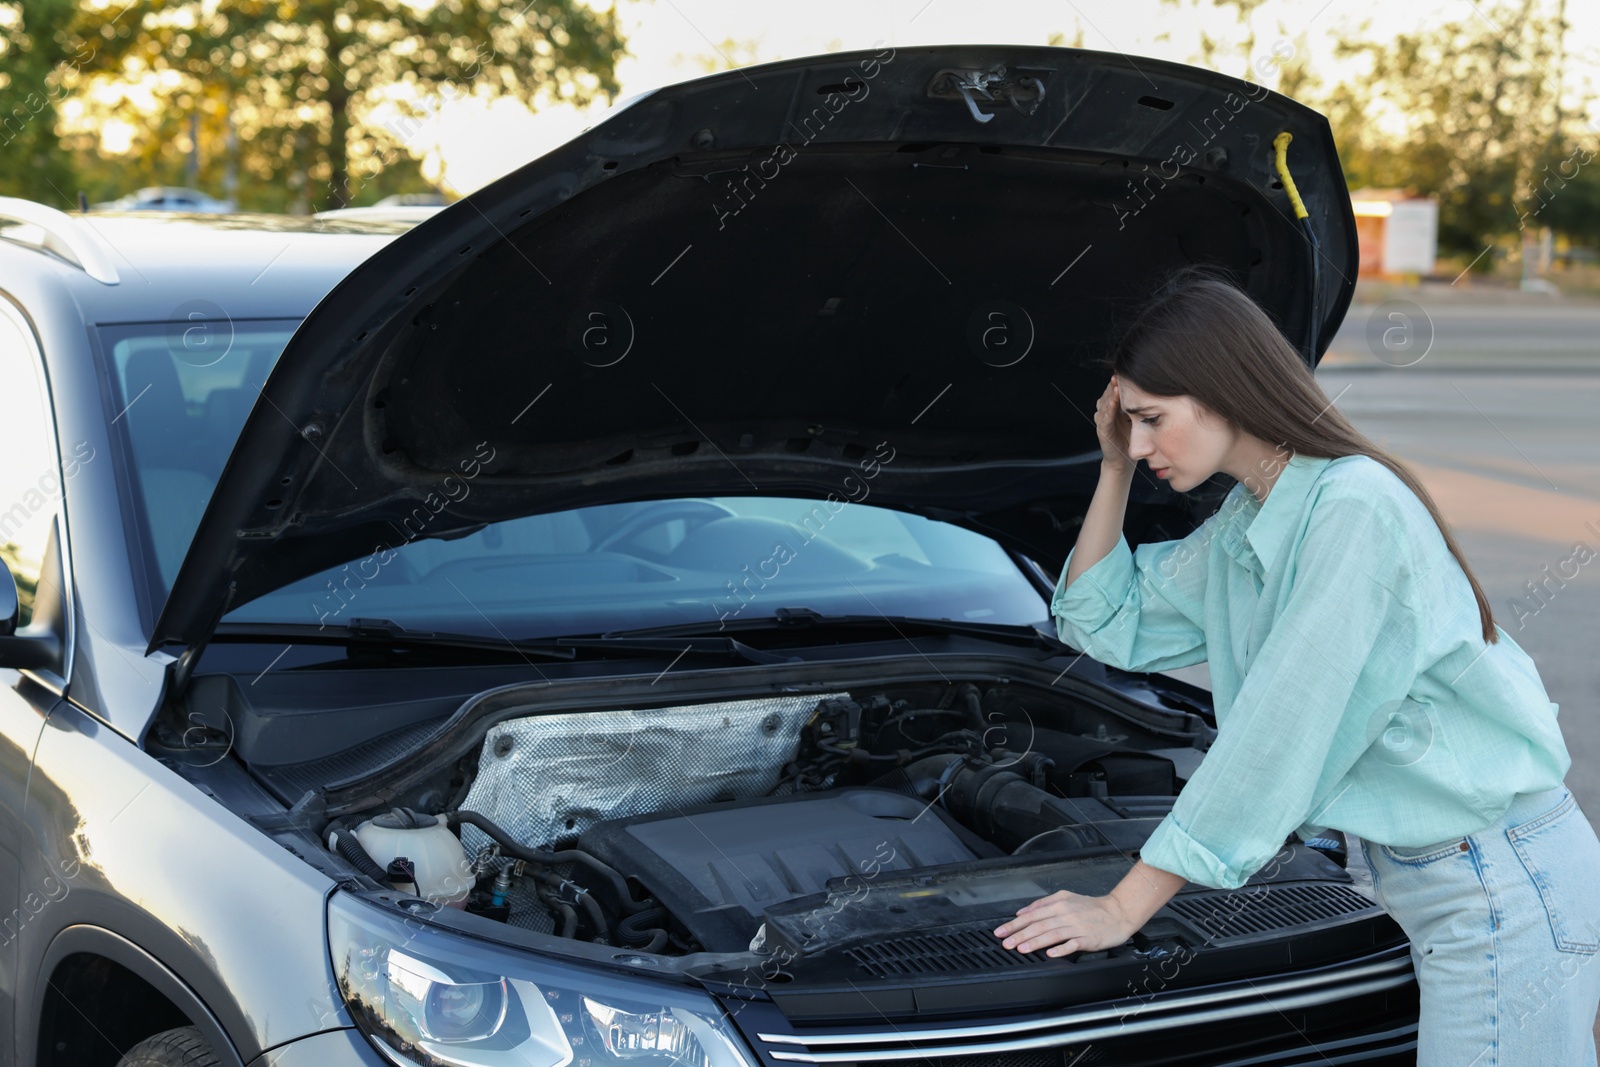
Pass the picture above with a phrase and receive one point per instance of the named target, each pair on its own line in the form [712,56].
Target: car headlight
[426,997]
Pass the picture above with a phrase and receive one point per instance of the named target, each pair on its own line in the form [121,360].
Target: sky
[470,143]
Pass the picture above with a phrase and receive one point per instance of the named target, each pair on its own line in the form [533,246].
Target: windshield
[186,388]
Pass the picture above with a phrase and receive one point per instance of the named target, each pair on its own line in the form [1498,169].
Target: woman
[1359,680]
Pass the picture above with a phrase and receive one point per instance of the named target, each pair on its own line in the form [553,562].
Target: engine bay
[808,825]
[841,851]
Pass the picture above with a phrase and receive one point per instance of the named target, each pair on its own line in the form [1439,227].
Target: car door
[31,488]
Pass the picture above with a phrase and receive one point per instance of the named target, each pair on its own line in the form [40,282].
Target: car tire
[183,1047]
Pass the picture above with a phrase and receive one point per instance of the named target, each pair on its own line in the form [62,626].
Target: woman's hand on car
[1113,425]
[1068,922]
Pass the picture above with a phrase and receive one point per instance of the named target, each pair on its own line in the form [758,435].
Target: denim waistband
[1525,806]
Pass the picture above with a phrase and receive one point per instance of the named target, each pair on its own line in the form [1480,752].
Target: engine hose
[901,756]
[566,917]
[511,847]
[999,805]
[974,699]
[906,716]
[634,926]
[597,917]
[591,906]
[929,778]
[346,845]
[857,755]
[641,927]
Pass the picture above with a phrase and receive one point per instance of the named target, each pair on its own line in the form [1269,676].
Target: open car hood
[758,281]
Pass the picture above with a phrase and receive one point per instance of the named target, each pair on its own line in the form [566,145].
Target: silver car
[607,622]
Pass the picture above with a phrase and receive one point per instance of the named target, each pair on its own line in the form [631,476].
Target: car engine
[699,828]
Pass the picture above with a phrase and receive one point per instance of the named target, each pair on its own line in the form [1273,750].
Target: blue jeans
[1505,936]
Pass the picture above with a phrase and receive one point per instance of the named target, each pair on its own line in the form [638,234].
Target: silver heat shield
[547,778]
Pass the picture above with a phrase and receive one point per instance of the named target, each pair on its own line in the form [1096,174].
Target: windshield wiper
[381,632]
[698,644]
[386,634]
[795,619]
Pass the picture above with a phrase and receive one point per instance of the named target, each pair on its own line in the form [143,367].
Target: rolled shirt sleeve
[1141,609]
[1344,624]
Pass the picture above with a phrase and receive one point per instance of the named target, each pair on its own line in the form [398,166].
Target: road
[1500,419]
[1426,336]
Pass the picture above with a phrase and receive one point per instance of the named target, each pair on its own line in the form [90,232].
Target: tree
[1467,110]
[1563,190]
[1280,63]
[30,86]
[321,96]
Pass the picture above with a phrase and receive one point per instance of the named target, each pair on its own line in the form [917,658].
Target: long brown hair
[1200,336]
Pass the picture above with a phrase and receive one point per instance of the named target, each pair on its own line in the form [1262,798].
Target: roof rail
[71,239]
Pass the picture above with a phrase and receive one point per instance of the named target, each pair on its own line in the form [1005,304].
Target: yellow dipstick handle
[1281,144]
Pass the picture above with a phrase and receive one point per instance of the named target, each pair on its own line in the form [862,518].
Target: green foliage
[1467,110]
[1563,191]
[31,85]
[306,88]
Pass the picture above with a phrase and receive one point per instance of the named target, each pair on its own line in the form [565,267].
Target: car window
[186,389]
[712,560]
[31,485]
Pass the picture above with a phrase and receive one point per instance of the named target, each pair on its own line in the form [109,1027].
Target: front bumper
[1360,1011]
[331,1048]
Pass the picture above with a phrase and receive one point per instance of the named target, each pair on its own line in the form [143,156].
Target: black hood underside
[759,281]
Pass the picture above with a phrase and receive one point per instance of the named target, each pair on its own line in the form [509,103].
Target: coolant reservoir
[443,874]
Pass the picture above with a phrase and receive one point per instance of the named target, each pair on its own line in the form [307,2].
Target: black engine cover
[717,867]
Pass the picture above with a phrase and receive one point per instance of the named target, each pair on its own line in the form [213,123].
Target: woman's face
[1182,440]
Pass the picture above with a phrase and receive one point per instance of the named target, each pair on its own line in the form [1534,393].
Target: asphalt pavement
[1428,335]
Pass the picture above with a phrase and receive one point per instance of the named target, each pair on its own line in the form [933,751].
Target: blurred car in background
[167,198]
[413,200]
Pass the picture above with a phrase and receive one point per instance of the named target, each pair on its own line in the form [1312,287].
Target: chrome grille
[1075,1028]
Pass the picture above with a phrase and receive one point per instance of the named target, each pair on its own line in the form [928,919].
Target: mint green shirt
[1352,685]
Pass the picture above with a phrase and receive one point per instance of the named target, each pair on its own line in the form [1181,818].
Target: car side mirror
[10,605]
[39,645]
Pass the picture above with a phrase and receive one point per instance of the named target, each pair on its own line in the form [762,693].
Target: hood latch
[1023,90]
